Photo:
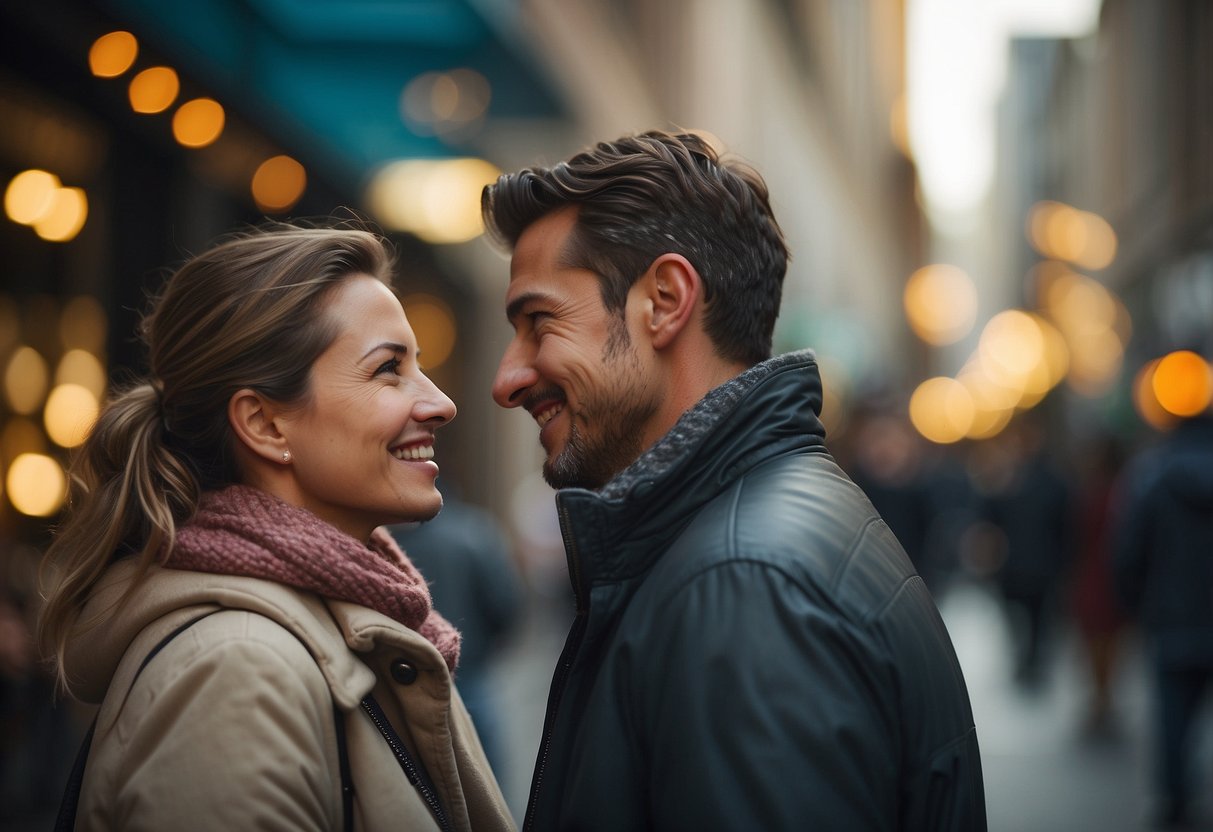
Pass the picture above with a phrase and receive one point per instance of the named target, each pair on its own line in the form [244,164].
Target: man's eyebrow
[386,345]
[514,308]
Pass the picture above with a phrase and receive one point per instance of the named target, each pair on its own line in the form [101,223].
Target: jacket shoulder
[219,707]
[801,514]
[235,644]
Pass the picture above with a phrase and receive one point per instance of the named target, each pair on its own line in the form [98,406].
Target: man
[752,649]
[1163,569]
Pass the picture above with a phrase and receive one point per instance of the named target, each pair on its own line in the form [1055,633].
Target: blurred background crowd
[1001,220]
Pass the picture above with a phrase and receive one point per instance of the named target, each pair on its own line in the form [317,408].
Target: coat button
[403,672]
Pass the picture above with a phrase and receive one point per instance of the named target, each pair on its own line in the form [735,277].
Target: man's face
[572,364]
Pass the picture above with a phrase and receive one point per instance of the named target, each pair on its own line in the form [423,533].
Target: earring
[286,456]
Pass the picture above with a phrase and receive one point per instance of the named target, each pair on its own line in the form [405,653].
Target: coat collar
[616,532]
[332,631]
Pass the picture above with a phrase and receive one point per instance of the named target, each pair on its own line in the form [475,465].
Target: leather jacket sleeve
[764,709]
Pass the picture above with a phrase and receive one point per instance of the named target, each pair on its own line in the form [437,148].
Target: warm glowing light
[1095,325]
[278,184]
[21,436]
[445,102]
[1056,354]
[1066,233]
[154,90]
[81,367]
[30,196]
[437,200]
[1096,358]
[434,325]
[112,54]
[36,484]
[1183,383]
[199,122]
[25,380]
[1039,216]
[940,303]
[941,409]
[1146,403]
[83,325]
[993,405]
[69,415]
[1080,304]
[1100,248]
[1012,342]
[988,389]
[67,216]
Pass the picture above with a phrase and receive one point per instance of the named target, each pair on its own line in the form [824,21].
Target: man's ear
[252,419]
[674,288]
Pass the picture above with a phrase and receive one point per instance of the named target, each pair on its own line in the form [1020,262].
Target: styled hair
[248,312]
[643,196]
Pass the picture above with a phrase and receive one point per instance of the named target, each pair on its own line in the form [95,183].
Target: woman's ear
[674,287]
[252,418]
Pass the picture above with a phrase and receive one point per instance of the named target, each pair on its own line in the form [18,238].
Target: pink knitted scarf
[244,531]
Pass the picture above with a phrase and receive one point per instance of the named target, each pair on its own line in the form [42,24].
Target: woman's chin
[421,509]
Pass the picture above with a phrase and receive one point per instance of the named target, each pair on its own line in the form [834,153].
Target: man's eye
[389,366]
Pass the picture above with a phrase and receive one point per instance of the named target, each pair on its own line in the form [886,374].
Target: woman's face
[362,443]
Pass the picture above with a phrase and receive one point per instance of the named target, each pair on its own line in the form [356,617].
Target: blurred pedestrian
[1030,504]
[1163,558]
[264,655]
[1097,613]
[752,648]
[464,555]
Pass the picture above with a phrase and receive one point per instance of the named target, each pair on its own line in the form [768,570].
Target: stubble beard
[591,460]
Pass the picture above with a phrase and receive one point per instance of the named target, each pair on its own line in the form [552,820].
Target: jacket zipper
[565,665]
[375,712]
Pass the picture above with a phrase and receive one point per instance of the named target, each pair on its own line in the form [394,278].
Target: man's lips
[547,414]
[543,405]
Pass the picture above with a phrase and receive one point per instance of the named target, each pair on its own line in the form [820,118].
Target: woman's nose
[434,405]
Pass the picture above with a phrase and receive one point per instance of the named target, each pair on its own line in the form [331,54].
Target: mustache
[535,397]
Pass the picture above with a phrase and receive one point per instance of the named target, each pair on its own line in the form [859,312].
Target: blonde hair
[247,312]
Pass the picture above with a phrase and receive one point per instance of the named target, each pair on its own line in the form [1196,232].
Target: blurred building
[1105,191]
[154,127]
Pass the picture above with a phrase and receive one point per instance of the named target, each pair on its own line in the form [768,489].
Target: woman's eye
[389,366]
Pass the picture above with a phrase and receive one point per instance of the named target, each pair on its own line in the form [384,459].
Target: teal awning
[325,77]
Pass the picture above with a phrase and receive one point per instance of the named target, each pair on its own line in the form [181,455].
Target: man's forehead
[547,239]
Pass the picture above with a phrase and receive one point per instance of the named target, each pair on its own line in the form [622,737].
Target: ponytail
[129,494]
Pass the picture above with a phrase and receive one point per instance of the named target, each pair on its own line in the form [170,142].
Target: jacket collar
[618,530]
[112,623]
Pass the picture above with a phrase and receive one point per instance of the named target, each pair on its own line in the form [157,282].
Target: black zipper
[414,774]
[562,669]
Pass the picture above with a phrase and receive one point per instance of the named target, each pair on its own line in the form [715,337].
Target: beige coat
[231,725]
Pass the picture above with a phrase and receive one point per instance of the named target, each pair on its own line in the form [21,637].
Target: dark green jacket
[752,649]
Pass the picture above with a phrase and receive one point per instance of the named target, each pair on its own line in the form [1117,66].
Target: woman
[266,657]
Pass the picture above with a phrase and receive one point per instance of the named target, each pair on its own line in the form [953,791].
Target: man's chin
[559,474]
[560,477]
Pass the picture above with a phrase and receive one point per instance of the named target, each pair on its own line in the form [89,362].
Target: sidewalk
[1041,773]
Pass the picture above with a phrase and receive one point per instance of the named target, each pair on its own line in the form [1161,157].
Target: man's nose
[515,374]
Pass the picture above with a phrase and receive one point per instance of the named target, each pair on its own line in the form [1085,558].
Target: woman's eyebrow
[386,345]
